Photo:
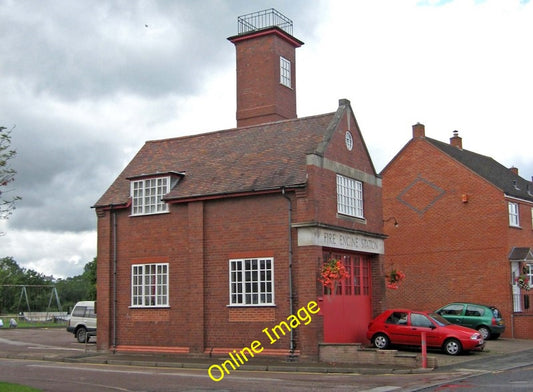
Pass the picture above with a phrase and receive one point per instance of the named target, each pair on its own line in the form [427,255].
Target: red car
[405,327]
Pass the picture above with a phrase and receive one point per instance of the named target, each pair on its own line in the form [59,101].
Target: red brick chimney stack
[419,130]
[266,68]
[456,140]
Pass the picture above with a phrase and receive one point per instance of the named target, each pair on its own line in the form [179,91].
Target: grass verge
[8,387]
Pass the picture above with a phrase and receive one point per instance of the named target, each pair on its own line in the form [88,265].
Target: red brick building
[464,232]
[206,240]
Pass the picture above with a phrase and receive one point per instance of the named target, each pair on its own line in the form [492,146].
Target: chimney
[419,130]
[456,140]
[514,170]
[266,68]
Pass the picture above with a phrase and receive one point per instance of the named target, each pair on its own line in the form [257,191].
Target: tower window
[285,72]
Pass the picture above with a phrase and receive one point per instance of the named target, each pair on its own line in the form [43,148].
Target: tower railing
[262,20]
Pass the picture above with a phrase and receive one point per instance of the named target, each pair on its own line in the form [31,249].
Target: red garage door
[348,310]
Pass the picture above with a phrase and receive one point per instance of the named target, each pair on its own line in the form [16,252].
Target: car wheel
[485,332]
[381,341]
[81,335]
[453,347]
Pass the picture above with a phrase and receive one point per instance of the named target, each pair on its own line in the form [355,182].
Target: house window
[149,285]
[285,72]
[349,196]
[251,281]
[514,219]
[147,194]
[532,217]
[529,269]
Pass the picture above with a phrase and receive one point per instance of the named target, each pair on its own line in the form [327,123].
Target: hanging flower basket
[332,272]
[394,278]
[523,282]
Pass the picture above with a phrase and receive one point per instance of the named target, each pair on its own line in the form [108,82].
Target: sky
[85,83]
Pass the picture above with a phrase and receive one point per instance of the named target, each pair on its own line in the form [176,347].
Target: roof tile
[497,174]
[255,158]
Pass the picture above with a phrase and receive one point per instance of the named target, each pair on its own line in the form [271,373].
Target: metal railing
[263,19]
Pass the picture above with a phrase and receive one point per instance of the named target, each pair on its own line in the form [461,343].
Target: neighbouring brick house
[205,240]
[464,232]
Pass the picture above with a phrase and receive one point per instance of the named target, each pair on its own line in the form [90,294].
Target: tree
[10,274]
[7,174]
[12,277]
[89,275]
[78,288]
[38,286]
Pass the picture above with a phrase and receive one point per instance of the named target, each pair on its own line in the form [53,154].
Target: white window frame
[285,72]
[350,197]
[530,274]
[146,195]
[517,303]
[251,281]
[149,285]
[514,214]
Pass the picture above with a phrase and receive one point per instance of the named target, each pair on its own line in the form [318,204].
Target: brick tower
[266,69]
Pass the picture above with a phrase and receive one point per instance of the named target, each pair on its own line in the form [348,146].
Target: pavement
[55,344]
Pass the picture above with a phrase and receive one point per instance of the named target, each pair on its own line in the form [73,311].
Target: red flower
[332,272]
[394,279]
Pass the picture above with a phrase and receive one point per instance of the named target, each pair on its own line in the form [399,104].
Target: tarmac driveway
[41,343]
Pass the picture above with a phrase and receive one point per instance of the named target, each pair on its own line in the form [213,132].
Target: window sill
[150,214]
[150,307]
[284,85]
[352,218]
[252,306]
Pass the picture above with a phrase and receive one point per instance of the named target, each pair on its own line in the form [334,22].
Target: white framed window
[514,218]
[251,281]
[532,217]
[349,197]
[147,194]
[149,285]
[285,72]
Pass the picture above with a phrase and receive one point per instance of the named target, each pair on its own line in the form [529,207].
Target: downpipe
[115,225]
[292,344]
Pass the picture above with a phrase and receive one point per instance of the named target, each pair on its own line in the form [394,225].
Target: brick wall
[244,227]
[198,239]
[260,96]
[521,326]
[104,279]
[450,249]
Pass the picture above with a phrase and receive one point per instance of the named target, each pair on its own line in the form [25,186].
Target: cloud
[75,50]
[436,3]
[46,252]
[86,84]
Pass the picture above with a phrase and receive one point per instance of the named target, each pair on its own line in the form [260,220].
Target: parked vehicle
[82,321]
[486,319]
[405,327]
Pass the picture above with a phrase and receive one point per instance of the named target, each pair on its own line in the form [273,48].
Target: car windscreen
[441,321]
